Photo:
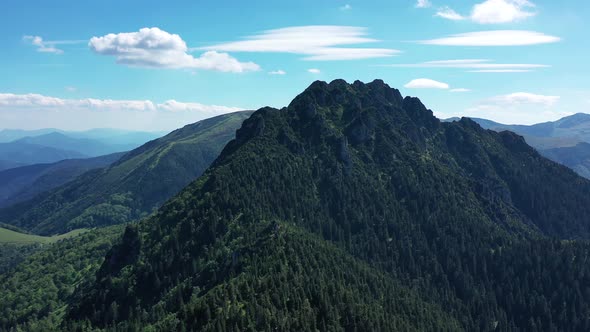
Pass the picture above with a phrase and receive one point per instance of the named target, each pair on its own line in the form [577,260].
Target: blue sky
[157,65]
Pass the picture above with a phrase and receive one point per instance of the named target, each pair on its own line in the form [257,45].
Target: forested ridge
[355,209]
[131,188]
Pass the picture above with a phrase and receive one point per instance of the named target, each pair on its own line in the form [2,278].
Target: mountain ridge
[131,187]
[446,209]
[564,141]
[22,183]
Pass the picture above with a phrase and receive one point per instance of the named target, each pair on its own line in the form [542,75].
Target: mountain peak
[573,120]
[321,96]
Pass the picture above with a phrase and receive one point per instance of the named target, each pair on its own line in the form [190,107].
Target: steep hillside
[564,141]
[573,126]
[16,246]
[23,183]
[131,188]
[575,157]
[36,292]
[356,209]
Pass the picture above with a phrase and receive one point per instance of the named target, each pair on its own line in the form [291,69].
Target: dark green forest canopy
[35,293]
[355,209]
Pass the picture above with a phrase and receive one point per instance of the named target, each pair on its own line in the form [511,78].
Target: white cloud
[318,43]
[518,98]
[494,38]
[501,71]
[346,7]
[449,14]
[519,107]
[43,46]
[501,11]
[34,111]
[460,90]
[41,101]
[314,71]
[426,83]
[37,101]
[71,89]
[176,106]
[277,72]
[478,65]
[423,4]
[155,48]
[492,12]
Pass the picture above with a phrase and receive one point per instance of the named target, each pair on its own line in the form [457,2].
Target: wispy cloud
[518,107]
[155,48]
[518,98]
[42,46]
[449,14]
[317,43]
[278,72]
[423,4]
[33,111]
[314,71]
[501,71]
[493,12]
[426,83]
[494,38]
[346,7]
[477,65]
[460,90]
[38,101]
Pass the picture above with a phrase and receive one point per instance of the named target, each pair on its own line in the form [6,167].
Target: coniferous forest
[352,209]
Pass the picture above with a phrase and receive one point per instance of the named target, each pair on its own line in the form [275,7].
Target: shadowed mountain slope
[351,191]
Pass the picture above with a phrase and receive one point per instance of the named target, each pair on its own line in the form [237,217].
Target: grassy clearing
[9,236]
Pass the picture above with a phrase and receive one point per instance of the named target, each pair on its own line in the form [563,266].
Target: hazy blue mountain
[20,153]
[23,183]
[52,145]
[128,139]
[85,146]
[6,164]
[9,135]
[117,136]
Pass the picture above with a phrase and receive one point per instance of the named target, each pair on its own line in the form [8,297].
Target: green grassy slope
[8,236]
[131,188]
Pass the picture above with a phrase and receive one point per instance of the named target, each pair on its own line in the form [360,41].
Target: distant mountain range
[132,187]
[19,148]
[23,183]
[566,141]
[20,153]
[106,135]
